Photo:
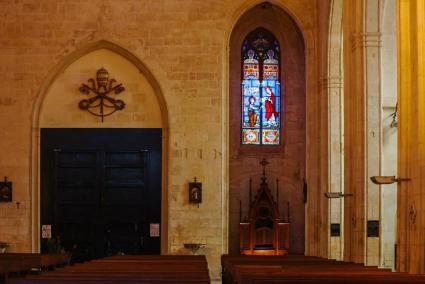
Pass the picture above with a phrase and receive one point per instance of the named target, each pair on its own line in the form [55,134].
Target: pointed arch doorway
[134,140]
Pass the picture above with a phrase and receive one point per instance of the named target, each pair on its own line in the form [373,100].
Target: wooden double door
[101,190]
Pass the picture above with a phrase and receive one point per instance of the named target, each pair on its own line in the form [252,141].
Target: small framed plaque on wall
[5,191]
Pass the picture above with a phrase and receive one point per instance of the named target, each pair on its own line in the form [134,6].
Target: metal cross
[264,163]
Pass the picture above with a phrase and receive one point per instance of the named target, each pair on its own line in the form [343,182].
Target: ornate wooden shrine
[263,232]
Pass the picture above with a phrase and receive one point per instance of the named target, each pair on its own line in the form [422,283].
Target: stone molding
[365,40]
[331,83]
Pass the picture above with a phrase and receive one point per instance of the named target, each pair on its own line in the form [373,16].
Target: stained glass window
[261,103]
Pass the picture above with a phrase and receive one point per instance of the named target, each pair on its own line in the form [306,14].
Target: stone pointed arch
[279,20]
[250,4]
[101,44]
[35,133]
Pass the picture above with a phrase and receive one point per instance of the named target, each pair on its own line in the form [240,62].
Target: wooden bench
[300,269]
[128,269]
[24,262]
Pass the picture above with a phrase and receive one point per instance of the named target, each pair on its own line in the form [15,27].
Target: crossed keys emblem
[101,104]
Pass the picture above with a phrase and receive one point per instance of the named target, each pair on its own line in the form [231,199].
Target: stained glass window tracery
[261,100]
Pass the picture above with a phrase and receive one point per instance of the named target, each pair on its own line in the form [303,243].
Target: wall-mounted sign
[335,230]
[154,230]
[373,228]
[46,231]
[195,192]
[5,190]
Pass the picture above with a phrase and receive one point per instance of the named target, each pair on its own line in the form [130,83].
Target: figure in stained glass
[270,105]
[260,89]
[252,112]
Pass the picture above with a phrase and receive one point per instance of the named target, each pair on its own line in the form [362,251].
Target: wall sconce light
[387,179]
[337,194]
[5,190]
[195,192]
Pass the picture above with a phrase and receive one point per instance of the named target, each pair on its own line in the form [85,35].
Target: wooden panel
[244,235]
[283,231]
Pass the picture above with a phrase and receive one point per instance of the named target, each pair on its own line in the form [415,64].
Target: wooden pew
[299,269]
[128,269]
[22,263]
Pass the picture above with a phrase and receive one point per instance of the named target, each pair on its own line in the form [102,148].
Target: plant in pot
[3,247]
[57,251]
[54,246]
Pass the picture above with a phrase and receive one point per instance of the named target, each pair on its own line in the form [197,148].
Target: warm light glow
[265,252]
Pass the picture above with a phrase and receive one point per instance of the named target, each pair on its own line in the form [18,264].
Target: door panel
[101,188]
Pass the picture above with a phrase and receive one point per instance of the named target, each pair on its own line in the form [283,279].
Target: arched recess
[287,161]
[53,76]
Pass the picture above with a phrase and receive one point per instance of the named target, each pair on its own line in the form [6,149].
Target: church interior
[219,141]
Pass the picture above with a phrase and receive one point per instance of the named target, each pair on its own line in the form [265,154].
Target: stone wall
[60,104]
[184,46]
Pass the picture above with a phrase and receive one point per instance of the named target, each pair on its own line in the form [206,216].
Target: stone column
[372,50]
[334,84]
[317,171]
[354,129]
[389,132]
[336,164]
[362,128]
[411,136]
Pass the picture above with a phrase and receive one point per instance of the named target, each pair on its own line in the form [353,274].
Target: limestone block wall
[183,44]
[59,108]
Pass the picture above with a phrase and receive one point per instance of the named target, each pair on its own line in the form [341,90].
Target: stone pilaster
[336,163]
[411,136]
[372,51]
[335,93]
[362,115]
[388,133]
[354,129]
